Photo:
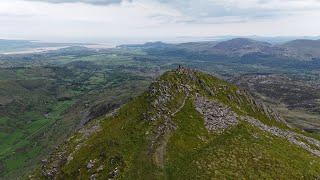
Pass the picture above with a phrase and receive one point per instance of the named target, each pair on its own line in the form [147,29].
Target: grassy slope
[120,143]
[195,154]
[22,144]
[242,151]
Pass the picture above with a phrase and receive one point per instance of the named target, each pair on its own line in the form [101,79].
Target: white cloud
[96,2]
[86,19]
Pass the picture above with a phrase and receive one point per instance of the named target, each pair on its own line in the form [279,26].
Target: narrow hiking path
[161,151]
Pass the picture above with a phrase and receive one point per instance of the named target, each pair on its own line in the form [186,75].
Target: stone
[217,116]
[93,177]
[90,164]
[100,168]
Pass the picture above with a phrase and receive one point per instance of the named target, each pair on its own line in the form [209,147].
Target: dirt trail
[161,150]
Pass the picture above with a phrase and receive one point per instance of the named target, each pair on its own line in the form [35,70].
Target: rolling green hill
[188,125]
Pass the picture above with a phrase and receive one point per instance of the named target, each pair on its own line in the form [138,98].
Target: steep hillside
[304,49]
[295,99]
[188,125]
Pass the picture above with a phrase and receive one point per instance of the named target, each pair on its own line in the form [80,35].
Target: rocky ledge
[217,116]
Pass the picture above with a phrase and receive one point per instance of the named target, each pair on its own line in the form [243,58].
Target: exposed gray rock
[206,87]
[217,116]
[162,109]
[114,173]
[93,177]
[100,168]
[289,135]
[90,164]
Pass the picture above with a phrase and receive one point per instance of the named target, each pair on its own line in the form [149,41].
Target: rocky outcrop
[223,108]
[97,111]
[163,107]
[217,116]
[294,138]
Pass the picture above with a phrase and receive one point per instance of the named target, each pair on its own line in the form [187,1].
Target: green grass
[121,136]
[124,142]
[19,147]
[36,87]
[247,109]
[195,154]
[120,75]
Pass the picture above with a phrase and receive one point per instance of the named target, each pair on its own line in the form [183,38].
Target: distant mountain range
[272,40]
[301,49]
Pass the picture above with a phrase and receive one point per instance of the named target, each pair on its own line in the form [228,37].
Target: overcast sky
[94,19]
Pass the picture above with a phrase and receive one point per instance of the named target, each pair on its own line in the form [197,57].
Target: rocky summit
[187,125]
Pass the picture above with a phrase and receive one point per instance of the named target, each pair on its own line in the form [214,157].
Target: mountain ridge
[298,50]
[171,130]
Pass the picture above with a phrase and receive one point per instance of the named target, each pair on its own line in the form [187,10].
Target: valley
[159,89]
[45,97]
